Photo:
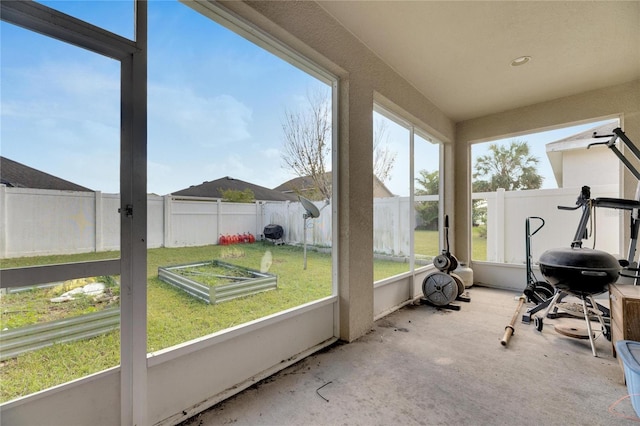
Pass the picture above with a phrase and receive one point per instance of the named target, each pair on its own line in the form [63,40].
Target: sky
[216,104]
[537,143]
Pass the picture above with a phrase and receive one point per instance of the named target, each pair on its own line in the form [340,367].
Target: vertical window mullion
[133,216]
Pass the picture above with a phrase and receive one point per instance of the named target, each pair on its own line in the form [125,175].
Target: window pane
[426,164]
[60,174]
[114,16]
[529,176]
[224,211]
[391,242]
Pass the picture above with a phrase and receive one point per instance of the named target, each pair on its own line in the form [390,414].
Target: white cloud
[182,116]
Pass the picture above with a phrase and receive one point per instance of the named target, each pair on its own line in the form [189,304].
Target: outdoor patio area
[430,366]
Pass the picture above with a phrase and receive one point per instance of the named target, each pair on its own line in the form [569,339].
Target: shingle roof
[304,183]
[213,189]
[298,184]
[18,175]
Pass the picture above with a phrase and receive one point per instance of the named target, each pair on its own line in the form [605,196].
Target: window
[61,169]
[217,113]
[426,166]
[529,176]
[226,119]
[406,235]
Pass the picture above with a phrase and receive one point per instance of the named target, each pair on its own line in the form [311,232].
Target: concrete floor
[428,366]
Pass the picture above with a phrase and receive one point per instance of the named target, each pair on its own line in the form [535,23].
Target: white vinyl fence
[507,212]
[43,222]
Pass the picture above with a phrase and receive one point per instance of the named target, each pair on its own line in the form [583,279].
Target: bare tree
[307,145]
[307,141]
[383,158]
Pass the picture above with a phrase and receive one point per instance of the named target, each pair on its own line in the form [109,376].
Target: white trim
[211,401]
[186,348]
[63,387]
[335,202]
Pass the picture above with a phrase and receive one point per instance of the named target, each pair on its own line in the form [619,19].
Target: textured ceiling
[458,53]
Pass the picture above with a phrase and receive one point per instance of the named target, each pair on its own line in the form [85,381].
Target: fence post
[257,212]
[3,221]
[218,214]
[166,237]
[288,228]
[99,222]
[396,235]
[499,228]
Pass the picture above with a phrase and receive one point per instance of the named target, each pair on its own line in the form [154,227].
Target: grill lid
[579,258]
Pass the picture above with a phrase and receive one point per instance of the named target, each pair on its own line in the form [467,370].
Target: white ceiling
[458,53]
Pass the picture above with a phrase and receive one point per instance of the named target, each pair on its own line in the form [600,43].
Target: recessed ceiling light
[520,61]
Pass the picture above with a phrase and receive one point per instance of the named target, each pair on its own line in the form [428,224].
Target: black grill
[274,232]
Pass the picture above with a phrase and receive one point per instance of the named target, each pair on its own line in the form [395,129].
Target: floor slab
[424,365]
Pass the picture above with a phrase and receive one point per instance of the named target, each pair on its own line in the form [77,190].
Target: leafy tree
[237,196]
[429,181]
[510,167]
[428,210]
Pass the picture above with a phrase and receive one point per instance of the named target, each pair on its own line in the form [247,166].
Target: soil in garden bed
[214,275]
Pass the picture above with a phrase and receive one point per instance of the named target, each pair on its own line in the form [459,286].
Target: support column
[458,171]
[355,209]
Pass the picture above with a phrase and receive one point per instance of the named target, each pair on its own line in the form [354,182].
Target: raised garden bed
[215,281]
[36,336]
[39,316]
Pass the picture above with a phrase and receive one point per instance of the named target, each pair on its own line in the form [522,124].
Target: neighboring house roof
[14,174]
[380,190]
[213,189]
[578,141]
[305,183]
[298,184]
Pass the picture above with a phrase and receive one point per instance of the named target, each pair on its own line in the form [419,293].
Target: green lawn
[426,243]
[478,243]
[173,316]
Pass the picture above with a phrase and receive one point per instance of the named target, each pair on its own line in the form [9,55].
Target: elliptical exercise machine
[536,291]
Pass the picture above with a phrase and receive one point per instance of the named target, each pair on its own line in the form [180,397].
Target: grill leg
[586,318]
